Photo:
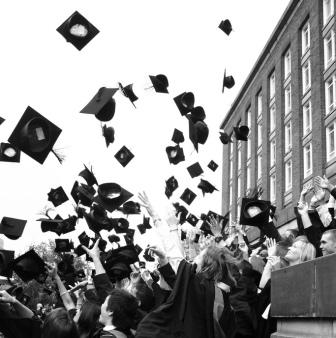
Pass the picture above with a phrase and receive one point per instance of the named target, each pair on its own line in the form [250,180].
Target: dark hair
[124,307]
[144,294]
[88,318]
[58,324]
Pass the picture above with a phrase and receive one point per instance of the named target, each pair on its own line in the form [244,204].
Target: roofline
[270,42]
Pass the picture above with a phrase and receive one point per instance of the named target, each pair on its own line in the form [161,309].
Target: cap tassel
[45,211]
[60,157]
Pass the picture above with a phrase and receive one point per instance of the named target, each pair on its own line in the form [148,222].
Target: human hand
[146,204]
[271,246]
[317,197]
[302,208]
[79,286]
[243,247]
[157,251]
[215,225]
[52,270]
[5,297]
[94,253]
[274,262]
[323,182]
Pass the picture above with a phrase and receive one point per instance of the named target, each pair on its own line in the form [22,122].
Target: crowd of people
[219,287]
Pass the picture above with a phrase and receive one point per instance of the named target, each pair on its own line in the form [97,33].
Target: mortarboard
[85,194]
[188,196]
[114,238]
[228,81]
[197,114]
[88,176]
[171,186]
[120,225]
[160,83]
[225,26]
[98,218]
[181,212]
[241,132]
[34,135]
[130,208]
[195,170]
[183,235]
[102,104]
[12,228]
[175,154]
[63,245]
[192,219]
[74,192]
[124,156]
[17,292]
[57,196]
[142,265]
[138,249]
[2,120]
[147,256]
[259,219]
[77,30]
[205,226]
[198,132]
[84,239]
[129,236]
[108,133]
[6,258]
[128,92]
[206,187]
[9,153]
[58,225]
[185,102]
[177,136]
[225,138]
[212,165]
[144,226]
[197,237]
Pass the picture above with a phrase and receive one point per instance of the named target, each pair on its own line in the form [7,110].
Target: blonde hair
[308,251]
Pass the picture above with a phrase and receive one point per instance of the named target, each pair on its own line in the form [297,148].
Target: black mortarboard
[175,154]
[108,133]
[258,220]
[113,238]
[144,226]
[111,196]
[80,211]
[195,170]
[12,227]
[120,225]
[34,135]
[98,218]
[130,208]
[142,265]
[68,224]
[177,136]
[206,187]
[192,219]
[225,26]
[197,114]
[129,236]
[212,165]
[147,256]
[118,271]
[17,292]
[92,223]
[171,186]
[9,153]
[205,226]
[138,249]
[2,120]
[6,258]
[74,192]
[85,194]
[63,245]
[185,102]
[102,105]
[102,243]
[241,132]
[181,212]
[183,235]
[198,132]
[77,30]
[225,138]
[124,156]
[188,196]
[160,83]
[84,239]
[228,81]
[53,225]
[128,92]
[79,251]
[88,176]
[197,237]
[66,268]
[57,196]
[30,266]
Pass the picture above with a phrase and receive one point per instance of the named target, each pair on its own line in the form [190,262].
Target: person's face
[327,245]
[253,211]
[294,252]
[105,317]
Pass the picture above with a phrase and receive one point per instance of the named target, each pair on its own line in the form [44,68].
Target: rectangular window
[328,10]
[288,175]
[307,160]
[330,94]
[239,159]
[259,134]
[306,76]
[248,177]
[306,118]
[272,188]
[288,136]
[272,118]
[272,153]
[259,104]
[330,140]
[259,164]
[305,37]
[238,186]
[230,197]
[287,64]
[272,85]
[288,99]
[329,49]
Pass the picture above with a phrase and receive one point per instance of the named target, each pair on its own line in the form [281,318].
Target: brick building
[289,102]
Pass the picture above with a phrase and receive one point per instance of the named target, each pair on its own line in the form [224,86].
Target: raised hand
[302,208]
[215,225]
[146,204]
[94,253]
[323,183]
[52,270]
[271,246]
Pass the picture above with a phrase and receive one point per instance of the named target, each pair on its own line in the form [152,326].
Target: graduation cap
[160,83]
[85,194]
[120,225]
[228,81]
[111,196]
[181,212]
[128,92]
[97,218]
[197,237]
[35,135]
[144,226]
[195,170]
[66,268]
[192,219]
[102,243]
[113,238]
[197,114]
[138,249]
[80,211]
[142,265]
[130,208]
[175,154]
[206,218]
[185,102]
[77,30]
[18,292]
[183,235]
[88,176]
[147,256]
[30,266]
[6,258]
[224,137]
[108,133]
[63,245]
[102,104]
[171,186]
[84,239]
[188,196]
[74,192]
[177,136]
[124,156]
[9,153]
[206,187]
[2,120]
[198,132]
[225,26]
[260,218]
[129,236]
[241,133]
[12,228]
[212,165]
[57,196]
[58,225]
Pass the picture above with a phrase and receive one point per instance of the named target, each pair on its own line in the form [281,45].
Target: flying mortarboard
[181,212]
[85,194]
[129,236]
[63,245]
[128,92]
[88,176]
[195,170]
[183,235]
[205,226]
[108,133]
[160,83]
[57,196]
[124,156]
[177,136]
[171,186]
[2,120]
[225,26]
[225,138]
[34,135]
[12,227]
[192,219]
[212,165]
[175,154]
[206,187]
[9,153]
[197,237]
[188,196]
[6,258]
[144,226]
[147,256]
[77,30]
[228,81]
[241,133]
[113,238]
[84,239]
[120,225]
[259,219]
[130,208]
[197,114]
[198,132]
[185,102]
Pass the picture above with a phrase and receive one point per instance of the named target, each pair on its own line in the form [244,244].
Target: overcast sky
[178,38]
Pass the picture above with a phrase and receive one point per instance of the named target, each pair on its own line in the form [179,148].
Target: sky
[178,38]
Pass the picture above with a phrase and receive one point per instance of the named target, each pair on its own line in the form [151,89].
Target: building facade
[289,102]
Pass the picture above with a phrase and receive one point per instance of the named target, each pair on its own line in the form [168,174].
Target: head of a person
[87,318]
[58,324]
[291,234]
[119,310]
[328,242]
[300,251]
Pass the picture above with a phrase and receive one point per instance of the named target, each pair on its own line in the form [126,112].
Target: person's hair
[282,248]
[294,233]
[124,307]
[88,318]
[308,251]
[58,324]
[331,233]
[144,294]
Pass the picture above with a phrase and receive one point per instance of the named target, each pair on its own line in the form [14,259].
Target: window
[231,168]
[329,49]
[272,188]
[305,37]
[230,197]
[288,100]
[239,159]
[328,10]
[287,64]
[307,160]
[238,186]
[331,141]
[259,164]
[259,104]
[248,177]
[259,134]
[272,153]
[288,136]
[272,118]
[288,175]
[306,76]
[330,94]
[272,85]
[307,118]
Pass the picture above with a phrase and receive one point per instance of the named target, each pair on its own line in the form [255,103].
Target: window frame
[307,171]
[288,178]
[287,63]
[305,87]
[288,99]
[272,152]
[304,118]
[272,85]
[259,104]
[325,17]
[328,153]
[305,43]
[328,62]
[272,113]
[332,80]
[259,166]
[272,188]
[288,136]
